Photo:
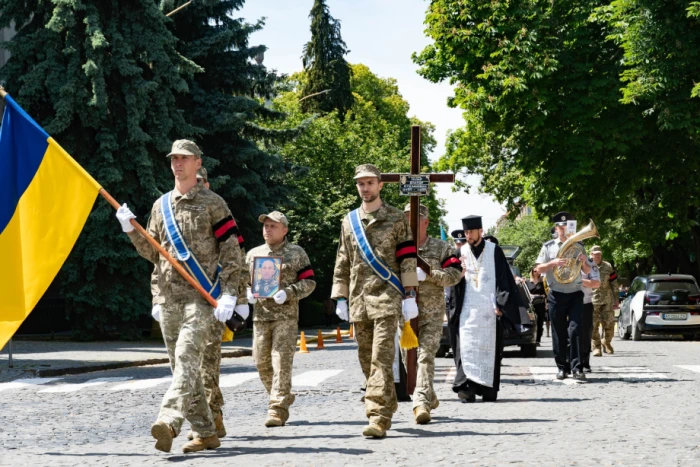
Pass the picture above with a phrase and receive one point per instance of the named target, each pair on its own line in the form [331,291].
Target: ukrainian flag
[45,199]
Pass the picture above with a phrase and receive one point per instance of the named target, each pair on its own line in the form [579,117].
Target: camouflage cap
[202,173]
[367,170]
[185,147]
[274,216]
[596,250]
[422,210]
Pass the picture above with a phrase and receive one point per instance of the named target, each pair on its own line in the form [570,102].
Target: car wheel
[622,331]
[442,351]
[528,350]
[636,332]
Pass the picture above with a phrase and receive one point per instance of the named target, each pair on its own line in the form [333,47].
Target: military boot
[421,415]
[200,444]
[376,428]
[274,419]
[219,423]
[597,352]
[608,348]
[164,434]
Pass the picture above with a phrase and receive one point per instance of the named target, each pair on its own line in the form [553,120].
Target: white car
[661,304]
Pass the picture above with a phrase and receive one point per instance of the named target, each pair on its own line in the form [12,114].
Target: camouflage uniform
[275,326]
[187,319]
[446,271]
[604,298]
[374,305]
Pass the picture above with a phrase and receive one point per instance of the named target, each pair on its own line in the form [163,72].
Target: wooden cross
[412,356]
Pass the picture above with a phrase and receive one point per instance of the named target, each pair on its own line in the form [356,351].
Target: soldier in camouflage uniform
[186,319]
[446,271]
[275,319]
[374,305]
[605,298]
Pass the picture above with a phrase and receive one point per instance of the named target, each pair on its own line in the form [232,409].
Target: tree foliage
[547,124]
[376,131]
[325,65]
[529,233]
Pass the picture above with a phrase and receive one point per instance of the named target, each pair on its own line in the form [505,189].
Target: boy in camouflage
[275,319]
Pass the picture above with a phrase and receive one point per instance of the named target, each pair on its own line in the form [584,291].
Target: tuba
[570,251]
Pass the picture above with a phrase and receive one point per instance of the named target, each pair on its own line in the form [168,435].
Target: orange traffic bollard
[352,331]
[302,346]
[338,337]
[319,342]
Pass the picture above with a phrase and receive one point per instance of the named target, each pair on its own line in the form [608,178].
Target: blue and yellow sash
[377,265]
[184,254]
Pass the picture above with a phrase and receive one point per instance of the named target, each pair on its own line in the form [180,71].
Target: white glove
[409,308]
[341,309]
[280,297]
[421,275]
[243,311]
[224,311]
[123,215]
[155,312]
[251,298]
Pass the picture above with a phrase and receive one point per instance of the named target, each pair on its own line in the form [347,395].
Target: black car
[661,304]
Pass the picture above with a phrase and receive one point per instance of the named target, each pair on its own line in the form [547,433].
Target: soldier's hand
[341,309]
[421,275]
[155,312]
[224,311]
[280,297]
[123,215]
[251,298]
[409,308]
[243,311]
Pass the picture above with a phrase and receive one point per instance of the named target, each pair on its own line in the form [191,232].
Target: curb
[236,353]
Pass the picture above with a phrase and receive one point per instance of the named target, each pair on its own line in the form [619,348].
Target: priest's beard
[474,243]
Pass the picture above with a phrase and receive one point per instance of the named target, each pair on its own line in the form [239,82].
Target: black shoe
[466,395]
[580,376]
[561,374]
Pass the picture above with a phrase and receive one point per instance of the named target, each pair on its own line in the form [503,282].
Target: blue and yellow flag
[45,199]
[443,235]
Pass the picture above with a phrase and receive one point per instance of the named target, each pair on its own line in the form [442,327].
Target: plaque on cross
[414,185]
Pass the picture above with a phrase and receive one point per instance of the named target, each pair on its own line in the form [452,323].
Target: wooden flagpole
[178,267]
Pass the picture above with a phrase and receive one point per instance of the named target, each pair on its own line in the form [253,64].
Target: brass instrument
[570,251]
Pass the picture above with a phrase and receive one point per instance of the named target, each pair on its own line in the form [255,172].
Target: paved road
[641,407]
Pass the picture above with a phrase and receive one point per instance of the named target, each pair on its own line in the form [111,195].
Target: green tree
[103,79]
[377,131]
[529,233]
[325,65]
[225,103]
[546,125]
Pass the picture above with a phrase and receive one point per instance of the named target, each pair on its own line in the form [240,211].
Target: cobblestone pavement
[640,407]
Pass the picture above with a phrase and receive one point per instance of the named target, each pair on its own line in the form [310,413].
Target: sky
[381,34]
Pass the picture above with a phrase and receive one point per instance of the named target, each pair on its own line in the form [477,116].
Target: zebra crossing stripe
[695,368]
[313,378]
[141,384]
[62,388]
[229,381]
[23,383]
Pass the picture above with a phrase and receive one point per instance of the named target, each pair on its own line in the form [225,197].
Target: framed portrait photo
[266,276]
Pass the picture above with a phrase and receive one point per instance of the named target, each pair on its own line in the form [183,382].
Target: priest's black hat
[560,218]
[471,222]
[491,238]
[459,236]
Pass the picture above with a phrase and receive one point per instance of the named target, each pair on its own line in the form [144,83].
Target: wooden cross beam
[415,184]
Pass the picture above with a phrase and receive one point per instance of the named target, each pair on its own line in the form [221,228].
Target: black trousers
[540,312]
[586,333]
[565,314]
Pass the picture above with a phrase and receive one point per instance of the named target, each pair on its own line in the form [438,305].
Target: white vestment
[478,320]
